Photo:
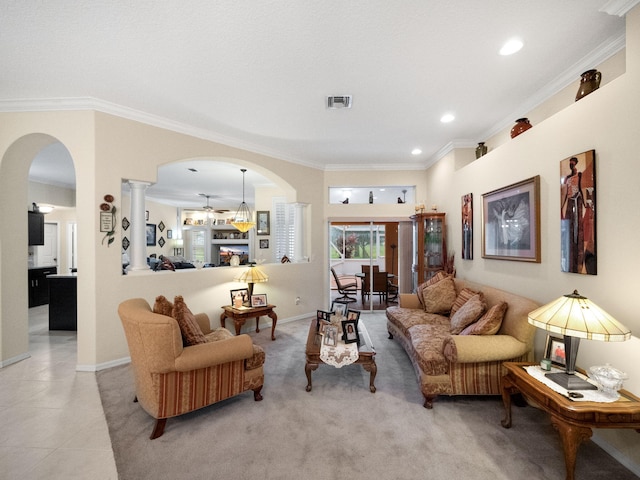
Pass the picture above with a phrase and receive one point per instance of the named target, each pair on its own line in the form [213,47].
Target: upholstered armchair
[172,379]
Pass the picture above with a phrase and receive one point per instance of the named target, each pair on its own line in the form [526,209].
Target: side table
[572,419]
[240,315]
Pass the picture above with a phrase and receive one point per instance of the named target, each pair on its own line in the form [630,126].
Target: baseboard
[12,360]
[103,366]
[615,453]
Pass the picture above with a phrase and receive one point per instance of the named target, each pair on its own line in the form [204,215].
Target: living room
[107,147]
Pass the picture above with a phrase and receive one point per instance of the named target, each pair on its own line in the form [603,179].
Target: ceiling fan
[207,207]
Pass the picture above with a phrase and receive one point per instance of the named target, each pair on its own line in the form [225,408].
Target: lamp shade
[577,316]
[252,275]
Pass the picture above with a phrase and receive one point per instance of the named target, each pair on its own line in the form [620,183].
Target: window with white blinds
[284,229]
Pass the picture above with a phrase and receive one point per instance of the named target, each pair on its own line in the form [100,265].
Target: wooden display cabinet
[430,245]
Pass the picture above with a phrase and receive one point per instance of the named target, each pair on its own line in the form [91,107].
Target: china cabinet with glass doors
[429,245]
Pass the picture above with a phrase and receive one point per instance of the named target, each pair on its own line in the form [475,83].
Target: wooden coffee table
[572,419]
[240,315]
[366,354]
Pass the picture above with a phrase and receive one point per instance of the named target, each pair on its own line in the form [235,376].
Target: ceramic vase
[589,81]
[522,125]
[481,150]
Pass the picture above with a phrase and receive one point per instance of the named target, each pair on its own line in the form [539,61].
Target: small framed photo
[554,351]
[322,317]
[263,227]
[151,234]
[146,215]
[330,336]
[350,330]
[264,243]
[243,293]
[340,309]
[221,221]
[169,234]
[259,300]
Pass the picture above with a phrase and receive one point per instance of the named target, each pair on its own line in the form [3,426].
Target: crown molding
[618,7]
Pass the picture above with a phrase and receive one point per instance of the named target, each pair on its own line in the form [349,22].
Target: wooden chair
[380,286]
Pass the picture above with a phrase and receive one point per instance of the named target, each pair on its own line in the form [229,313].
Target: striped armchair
[172,379]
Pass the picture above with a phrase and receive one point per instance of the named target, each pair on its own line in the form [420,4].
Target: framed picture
[339,309]
[322,317]
[243,293]
[169,234]
[151,234]
[467,226]
[350,327]
[264,243]
[511,222]
[330,336]
[554,351]
[578,214]
[146,215]
[259,300]
[263,226]
[221,221]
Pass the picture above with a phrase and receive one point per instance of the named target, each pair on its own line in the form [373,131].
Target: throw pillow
[467,314]
[489,323]
[464,295]
[163,306]
[439,297]
[189,328]
[433,280]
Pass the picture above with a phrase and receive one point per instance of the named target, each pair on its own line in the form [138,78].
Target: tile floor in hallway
[51,417]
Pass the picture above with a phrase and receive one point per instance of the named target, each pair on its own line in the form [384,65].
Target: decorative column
[138,228]
[299,250]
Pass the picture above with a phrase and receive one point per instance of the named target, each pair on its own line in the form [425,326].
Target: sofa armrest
[214,353]
[482,348]
[203,321]
[409,300]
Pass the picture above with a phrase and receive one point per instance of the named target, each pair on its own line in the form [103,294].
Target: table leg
[507,389]
[308,368]
[571,436]
[258,324]
[372,368]
[223,319]
[274,319]
[238,323]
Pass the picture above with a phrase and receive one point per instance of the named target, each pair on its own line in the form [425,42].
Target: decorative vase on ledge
[522,125]
[589,82]
[481,150]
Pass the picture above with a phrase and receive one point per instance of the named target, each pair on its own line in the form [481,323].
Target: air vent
[342,101]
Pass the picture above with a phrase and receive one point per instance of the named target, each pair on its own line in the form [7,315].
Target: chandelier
[243,219]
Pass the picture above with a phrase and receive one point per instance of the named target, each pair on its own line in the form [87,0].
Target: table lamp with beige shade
[250,276]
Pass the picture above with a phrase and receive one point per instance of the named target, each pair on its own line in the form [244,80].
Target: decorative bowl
[608,378]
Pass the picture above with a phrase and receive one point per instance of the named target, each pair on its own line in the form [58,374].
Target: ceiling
[256,74]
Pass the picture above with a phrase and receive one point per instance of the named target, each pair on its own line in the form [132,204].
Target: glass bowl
[609,379]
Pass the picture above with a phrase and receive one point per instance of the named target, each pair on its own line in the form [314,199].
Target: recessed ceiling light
[447,118]
[512,46]
[416,151]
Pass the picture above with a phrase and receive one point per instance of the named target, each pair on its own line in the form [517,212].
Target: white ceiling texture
[256,74]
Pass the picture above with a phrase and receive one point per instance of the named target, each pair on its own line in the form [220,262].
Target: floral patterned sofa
[458,333]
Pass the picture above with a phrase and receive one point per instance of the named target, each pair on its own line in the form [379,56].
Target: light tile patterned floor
[51,417]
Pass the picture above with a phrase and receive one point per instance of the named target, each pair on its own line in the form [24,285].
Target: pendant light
[243,220]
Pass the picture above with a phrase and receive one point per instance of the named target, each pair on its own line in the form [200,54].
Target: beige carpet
[340,429]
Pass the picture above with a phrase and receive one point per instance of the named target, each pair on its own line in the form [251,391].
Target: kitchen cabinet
[63,309]
[39,285]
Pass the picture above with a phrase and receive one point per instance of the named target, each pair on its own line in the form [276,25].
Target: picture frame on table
[322,316]
[350,328]
[263,226]
[511,222]
[339,309]
[259,300]
[330,336]
[244,294]
[264,243]
[151,234]
[554,351]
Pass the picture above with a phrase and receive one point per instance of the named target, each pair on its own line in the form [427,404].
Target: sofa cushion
[189,328]
[162,306]
[439,297]
[427,342]
[435,279]
[218,334]
[464,295]
[467,314]
[405,318]
[489,323]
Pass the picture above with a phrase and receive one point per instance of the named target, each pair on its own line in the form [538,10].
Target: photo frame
[467,226]
[146,215]
[578,209]
[151,234]
[221,221]
[350,327]
[554,351]
[339,309]
[264,243]
[322,316]
[169,234]
[243,292]
[263,226]
[259,300]
[330,336]
[511,222]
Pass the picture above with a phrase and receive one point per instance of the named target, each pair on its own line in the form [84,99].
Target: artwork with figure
[467,226]
[578,214]
[511,221]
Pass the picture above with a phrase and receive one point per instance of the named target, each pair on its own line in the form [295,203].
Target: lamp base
[570,382]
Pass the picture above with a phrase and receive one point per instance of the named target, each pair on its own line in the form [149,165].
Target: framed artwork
[578,214]
[169,234]
[146,215]
[554,351]
[221,221]
[243,293]
[125,223]
[511,222]
[263,227]
[350,327]
[264,243]
[339,309]
[322,317]
[161,242]
[467,226]
[330,336]
[106,221]
[259,300]
[161,226]
[151,234]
